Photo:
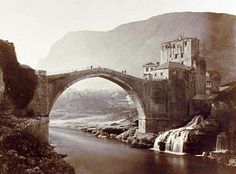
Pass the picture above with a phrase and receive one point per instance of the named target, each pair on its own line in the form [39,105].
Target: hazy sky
[34,25]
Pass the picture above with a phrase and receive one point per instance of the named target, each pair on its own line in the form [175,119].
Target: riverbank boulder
[143,140]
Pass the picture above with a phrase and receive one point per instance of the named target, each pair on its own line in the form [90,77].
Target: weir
[174,140]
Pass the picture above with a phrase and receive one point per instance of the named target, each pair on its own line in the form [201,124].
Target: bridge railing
[104,68]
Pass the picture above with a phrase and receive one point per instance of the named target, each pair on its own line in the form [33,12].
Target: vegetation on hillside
[20,81]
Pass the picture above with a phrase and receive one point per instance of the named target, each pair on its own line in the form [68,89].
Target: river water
[90,155]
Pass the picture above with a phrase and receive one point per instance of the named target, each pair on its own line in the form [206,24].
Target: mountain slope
[131,45]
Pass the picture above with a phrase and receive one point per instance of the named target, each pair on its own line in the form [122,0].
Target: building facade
[179,56]
[148,68]
[182,50]
[213,81]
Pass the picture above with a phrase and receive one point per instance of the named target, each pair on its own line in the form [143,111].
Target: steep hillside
[131,45]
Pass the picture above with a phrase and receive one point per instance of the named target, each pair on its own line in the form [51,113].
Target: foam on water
[175,139]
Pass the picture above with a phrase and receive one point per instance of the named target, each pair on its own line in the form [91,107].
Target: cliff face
[131,45]
[20,81]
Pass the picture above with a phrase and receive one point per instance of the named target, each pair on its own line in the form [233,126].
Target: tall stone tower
[186,52]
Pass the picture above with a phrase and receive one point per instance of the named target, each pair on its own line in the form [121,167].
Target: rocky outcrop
[203,137]
[126,133]
[142,140]
[20,81]
[197,136]
[21,152]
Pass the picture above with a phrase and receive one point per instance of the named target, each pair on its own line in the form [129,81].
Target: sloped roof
[172,65]
[150,64]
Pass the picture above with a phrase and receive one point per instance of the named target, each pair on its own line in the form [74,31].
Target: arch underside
[72,79]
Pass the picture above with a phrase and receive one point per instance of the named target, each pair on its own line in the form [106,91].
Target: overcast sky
[34,25]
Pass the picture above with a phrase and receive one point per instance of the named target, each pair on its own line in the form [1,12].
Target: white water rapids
[173,140]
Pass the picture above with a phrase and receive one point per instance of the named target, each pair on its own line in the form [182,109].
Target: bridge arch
[57,84]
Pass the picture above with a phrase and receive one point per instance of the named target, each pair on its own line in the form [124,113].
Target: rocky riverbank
[20,152]
[123,131]
[225,158]
[127,132]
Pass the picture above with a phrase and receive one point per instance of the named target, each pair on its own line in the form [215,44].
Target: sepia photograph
[117,87]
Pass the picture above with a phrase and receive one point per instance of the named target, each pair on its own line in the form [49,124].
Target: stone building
[167,70]
[182,50]
[213,81]
[148,68]
[178,56]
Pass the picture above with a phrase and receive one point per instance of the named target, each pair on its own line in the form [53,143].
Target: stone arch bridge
[158,103]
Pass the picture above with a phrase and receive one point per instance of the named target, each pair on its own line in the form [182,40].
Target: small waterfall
[173,140]
[221,142]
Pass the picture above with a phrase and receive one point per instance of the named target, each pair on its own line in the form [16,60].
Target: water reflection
[91,155]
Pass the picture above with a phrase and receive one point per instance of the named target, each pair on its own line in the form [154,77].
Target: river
[90,155]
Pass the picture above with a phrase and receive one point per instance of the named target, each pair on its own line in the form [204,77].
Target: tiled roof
[150,64]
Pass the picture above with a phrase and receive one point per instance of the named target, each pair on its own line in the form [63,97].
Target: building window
[176,56]
[146,69]
[161,74]
[185,43]
[208,83]
[182,62]
[173,46]
[155,74]
[182,55]
[151,69]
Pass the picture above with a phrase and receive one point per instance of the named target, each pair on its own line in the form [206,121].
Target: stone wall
[200,76]
[181,91]
[155,98]
[38,105]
